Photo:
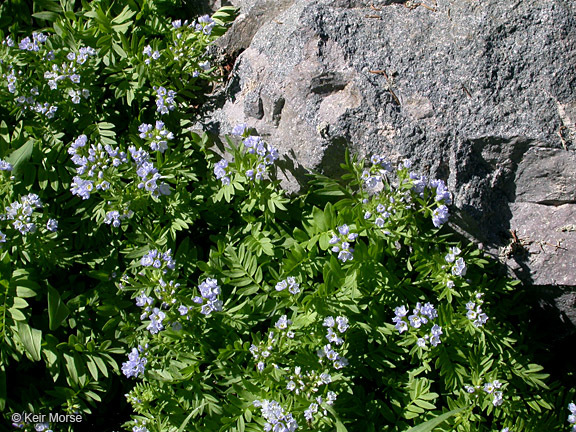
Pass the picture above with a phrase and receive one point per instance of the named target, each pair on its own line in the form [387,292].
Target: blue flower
[156,318]
[158,136]
[342,246]
[205,24]
[135,365]
[21,213]
[220,171]
[422,314]
[289,283]
[474,311]
[572,416]
[148,173]
[440,216]
[42,427]
[144,300]
[5,166]
[239,129]
[156,259]
[165,100]
[442,193]
[459,268]
[52,225]
[209,290]
[276,419]
[283,323]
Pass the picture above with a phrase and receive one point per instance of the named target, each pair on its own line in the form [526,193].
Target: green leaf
[31,339]
[101,365]
[93,369]
[21,155]
[57,309]
[73,366]
[46,15]
[429,425]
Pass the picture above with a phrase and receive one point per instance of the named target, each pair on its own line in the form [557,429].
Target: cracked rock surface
[480,94]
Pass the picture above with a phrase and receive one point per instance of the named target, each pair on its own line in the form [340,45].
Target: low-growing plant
[139,257]
[89,95]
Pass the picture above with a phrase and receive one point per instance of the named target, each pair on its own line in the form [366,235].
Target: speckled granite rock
[478,93]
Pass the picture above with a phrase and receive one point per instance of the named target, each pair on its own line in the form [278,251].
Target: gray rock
[478,93]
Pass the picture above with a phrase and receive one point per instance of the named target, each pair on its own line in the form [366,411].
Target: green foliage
[179,273]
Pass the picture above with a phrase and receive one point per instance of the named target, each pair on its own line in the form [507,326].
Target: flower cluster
[283,323]
[165,101]
[290,283]
[166,292]
[458,264]
[276,419]
[421,315]
[331,354]
[241,130]
[82,56]
[221,173]
[67,73]
[266,156]
[440,216]
[572,416]
[491,388]
[209,292]
[115,218]
[258,166]
[381,215]
[205,24]
[12,81]
[181,45]
[93,165]
[341,324]
[2,238]
[157,136]
[262,351]
[342,245]
[33,44]
[374,176]
[159,260]
[152,55]
[27,100]
[21,213]
[156,317]
[474,311]
[256,145]
[45,109]
[307,383]
[420,185]
[442,193]
[135,366]
[5,166]
[148,173]
[314,407]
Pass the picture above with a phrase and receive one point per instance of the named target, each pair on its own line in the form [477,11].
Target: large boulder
[480,94]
